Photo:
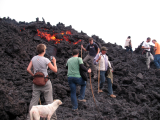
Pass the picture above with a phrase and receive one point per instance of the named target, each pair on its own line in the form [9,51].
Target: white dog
[44,111]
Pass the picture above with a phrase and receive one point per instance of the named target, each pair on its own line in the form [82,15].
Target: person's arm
[83,48]
[83,67]
[66,66]
[53,68]
[98,50]
[155,47]
[29,68]
[96,59]
[145,47]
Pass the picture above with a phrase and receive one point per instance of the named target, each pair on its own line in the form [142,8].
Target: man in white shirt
[149,56]
[128,44]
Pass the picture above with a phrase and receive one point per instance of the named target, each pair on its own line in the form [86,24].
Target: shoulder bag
[83,73]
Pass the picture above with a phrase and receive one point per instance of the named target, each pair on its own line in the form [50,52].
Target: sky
[112,20]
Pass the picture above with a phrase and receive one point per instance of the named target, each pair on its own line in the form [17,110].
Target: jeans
[157,61]
[73,81]
[102,80]
[129,48]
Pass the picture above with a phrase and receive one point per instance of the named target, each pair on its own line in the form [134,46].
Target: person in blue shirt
[93,51]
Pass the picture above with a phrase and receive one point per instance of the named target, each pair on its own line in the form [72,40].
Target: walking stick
[98,77]
[93,92]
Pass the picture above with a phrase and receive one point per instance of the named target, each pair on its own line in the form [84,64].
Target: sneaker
[113,96]
[95,78]
[100,90]
[83,100]
[75,109]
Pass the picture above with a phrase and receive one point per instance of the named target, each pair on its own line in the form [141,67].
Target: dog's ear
[59,102]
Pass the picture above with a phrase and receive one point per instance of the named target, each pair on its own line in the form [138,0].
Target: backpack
[95,46]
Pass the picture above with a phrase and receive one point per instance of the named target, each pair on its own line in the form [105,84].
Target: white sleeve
[144,44]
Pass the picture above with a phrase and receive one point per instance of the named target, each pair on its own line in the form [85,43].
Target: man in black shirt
[93,51]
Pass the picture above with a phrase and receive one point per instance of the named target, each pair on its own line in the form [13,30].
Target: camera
[51,57]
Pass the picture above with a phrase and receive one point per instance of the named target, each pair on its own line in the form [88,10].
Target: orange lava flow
[50,37]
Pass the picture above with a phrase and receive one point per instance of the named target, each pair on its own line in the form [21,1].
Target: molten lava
[50,37]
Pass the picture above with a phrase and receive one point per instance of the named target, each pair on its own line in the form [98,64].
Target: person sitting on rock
[73,64]
[102,59]
[157,54]
[149,56]
[93,50]
[128,44]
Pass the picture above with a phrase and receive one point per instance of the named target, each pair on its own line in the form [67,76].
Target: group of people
[41,63]
[147,51]
[99,62]
[75,63]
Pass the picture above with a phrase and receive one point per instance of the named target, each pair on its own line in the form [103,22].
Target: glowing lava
[50,37]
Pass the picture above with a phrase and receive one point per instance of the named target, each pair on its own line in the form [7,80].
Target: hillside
[137,88]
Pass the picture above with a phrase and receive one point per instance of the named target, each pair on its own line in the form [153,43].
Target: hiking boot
[113,96]
[83,100]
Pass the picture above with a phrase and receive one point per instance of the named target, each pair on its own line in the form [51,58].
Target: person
[128,44]
[93,50]
[157,54]
[73,64]
[102,59]
[149,56]
[41,63]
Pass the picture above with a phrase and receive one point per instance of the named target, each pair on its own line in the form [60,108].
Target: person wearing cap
[149,56]
[157,54]
[102,59]
[93,51]
[128,44]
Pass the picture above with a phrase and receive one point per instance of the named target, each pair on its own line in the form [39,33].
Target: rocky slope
[137,88]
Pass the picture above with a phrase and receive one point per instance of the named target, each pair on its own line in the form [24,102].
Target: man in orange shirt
[157,54]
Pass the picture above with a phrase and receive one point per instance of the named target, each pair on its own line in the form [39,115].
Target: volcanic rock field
[137,88]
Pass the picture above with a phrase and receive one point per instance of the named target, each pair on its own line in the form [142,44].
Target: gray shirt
[40,64]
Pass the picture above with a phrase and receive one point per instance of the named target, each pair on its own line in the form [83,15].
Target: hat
[104,48]
[148,38]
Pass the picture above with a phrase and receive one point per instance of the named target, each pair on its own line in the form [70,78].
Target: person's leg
[35,98]
[158,61]
[85,60]
[130,48]
[93,67]
[151,57]
[102,79]
[73,92]
[147,60]
[110,90]
[127,48]
[81,82]
[47,90]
